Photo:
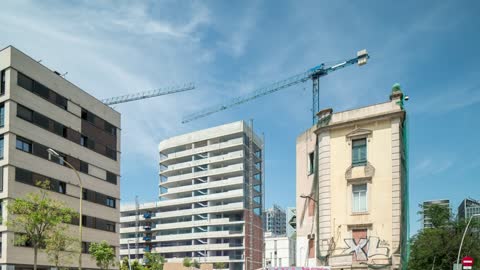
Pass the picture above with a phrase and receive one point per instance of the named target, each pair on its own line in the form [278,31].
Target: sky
[229,48]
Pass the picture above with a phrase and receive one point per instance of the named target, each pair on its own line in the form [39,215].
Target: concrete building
[467,208]
[275,220]
[279,250]
[425,219]
[204,213]
[351,188]
[291,222]
[39,110]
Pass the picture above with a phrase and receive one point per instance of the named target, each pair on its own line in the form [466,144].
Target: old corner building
[39,110]
[352,179]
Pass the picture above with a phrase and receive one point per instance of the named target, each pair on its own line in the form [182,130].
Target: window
[83,167]
[110,202]
[110,227]
[311,162]
[41,90]
[111,178]
[359,198]
[2,115]
[112,130]
[61,101]
[60,160]
[83,140]
[2,81]
[24,81]
[359,152]
[59,129]
[24,113]
[1,178]
[1,147]
[41,120]
[86,115]
[111,153]
[62,187]
[24,145]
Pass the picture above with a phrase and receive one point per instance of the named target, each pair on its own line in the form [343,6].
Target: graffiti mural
[364,248]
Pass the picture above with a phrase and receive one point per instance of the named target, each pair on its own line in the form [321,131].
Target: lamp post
[463,237]
[52,152]
[128,247]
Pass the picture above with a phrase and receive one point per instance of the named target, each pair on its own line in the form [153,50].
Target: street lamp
[308,197]
[463,237]
[128,247]
[52,152]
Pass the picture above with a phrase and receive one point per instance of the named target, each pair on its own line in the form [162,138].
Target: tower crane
[148,94]
[313,74]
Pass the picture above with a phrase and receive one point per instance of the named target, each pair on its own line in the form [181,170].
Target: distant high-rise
[275,220]
[467,208]
[426,220]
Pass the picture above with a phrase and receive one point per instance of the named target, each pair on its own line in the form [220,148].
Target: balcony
[199,150]
[189,224]
[187,236]
[221,183]
[237,193]
[202,162]
[211,209]
[189,176]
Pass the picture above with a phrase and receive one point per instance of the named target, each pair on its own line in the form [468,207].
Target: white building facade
[279,250]
[204,213]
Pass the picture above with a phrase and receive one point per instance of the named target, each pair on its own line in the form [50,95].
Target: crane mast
[313,74]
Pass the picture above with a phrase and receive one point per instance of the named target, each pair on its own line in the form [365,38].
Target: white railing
[199,150]
[190,176]
[220,183]
[189,164]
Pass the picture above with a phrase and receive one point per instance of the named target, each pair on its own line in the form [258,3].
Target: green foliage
[219,265]
[60,247]
[137,266]
[153,261]
[439,215]
[37,217]
[441,243]
[124,264]
[195,264]
[187,262]
[103,253]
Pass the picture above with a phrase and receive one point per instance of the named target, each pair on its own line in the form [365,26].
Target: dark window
[111,178]
[2,82]
[110,227]
[23,176]
[1,147]
[83,140]
[60,160]
[83,167]
[359,152]
[62,187]
[41,90]
[311,162]
[2,115]
[111,153]
[85,194]
[86,115]
[59,129]
[41,120]
[24,81]
[61,101]
[1,178]
[40,150]
[110,202]
[111,129]
[24,145]
[85,247]
[24,113]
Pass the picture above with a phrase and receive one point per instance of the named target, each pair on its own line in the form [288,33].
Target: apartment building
[425,218]
[467,208]
[204,211]
[291,222]
[39,110]
[279,251]
[351,188]
[275,220]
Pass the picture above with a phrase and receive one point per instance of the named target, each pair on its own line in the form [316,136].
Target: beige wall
[336,177]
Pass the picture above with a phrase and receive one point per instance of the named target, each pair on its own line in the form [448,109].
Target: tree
[195,264]
[219,265]
[137,266]
[440,244]
[124,264]
[438,215]
[60,247]
[36,217]
[154,261]
[187,262]
[103,253]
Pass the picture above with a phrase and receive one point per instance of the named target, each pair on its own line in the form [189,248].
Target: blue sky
[229,48]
